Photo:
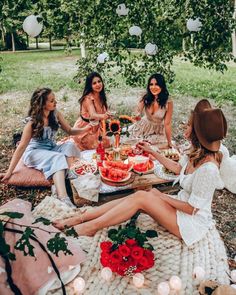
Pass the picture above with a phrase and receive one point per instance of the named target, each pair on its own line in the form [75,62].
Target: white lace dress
[198,190]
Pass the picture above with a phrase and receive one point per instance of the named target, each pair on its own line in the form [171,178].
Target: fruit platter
[172,154]
[118,165]
[114,174]
[141,164]
[82,167]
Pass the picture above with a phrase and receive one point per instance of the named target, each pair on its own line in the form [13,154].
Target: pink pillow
[25,176]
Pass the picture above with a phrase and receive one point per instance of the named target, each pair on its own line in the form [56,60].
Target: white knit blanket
[172,257]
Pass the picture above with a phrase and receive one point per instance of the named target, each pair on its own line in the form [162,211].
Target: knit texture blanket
[172,257]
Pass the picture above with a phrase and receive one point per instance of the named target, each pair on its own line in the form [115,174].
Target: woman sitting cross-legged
[186,215]
[38,147]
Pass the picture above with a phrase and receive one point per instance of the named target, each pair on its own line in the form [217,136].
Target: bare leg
[59,181]
[86,215]
[158,209]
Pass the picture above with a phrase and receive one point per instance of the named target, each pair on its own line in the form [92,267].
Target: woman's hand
[107,115]
[5,176]
[144,146]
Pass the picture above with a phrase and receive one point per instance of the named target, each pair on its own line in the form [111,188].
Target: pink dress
[89,140]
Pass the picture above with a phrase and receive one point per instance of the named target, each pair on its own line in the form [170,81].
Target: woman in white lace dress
[155,125]
[186,215]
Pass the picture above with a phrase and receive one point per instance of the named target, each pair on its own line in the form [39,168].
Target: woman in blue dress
[38,148]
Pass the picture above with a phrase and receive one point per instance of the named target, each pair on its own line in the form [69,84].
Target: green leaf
[23,244]
[45,221]
[13,215]
[57,244]
[131,232]
[151,234]
[148,246]
[71,232]
[141,238]
[112,231]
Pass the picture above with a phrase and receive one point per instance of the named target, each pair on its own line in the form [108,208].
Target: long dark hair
[37,102]
[149,98]
[88,89]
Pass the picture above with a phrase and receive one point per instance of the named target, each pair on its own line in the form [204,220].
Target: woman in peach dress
[93,110]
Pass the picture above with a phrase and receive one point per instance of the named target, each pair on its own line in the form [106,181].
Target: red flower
[131,242]
[143,262]
[150,257]
[137,252]
[106,246]
[124,250]
[116,257]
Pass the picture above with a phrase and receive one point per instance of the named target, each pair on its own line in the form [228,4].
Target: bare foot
[84,229]
[68,222]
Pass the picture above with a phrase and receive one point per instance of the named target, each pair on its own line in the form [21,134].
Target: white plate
[89,167]
[159,171]
[116,181]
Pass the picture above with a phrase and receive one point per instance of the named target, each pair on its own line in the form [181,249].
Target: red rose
[150,257]
[124,250]
[116,257]
[137,252]
[143,262]
[106,246]
[131,242]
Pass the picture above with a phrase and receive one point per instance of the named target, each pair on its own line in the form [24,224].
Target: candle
[79,285]
[106,274]
[138,280]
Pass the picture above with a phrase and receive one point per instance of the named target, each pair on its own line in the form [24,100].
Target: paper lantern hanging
[102,58]
[194,25]
[122,10]
[151,49]
[31,26]
[135,31]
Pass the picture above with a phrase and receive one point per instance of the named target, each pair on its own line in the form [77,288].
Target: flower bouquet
[128,252]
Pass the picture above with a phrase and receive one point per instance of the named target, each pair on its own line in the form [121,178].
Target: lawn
[25,71]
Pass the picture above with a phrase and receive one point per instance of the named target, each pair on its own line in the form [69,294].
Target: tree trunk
[13,42]
[3,35]
[37,43]
[234,33]
[27,40]
[82,50]
[50,41]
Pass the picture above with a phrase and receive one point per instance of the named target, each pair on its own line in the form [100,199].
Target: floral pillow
[27,177]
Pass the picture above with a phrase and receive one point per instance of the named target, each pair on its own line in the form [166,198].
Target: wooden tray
[111,183]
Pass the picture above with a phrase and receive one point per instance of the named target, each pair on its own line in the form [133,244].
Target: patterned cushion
[27,177]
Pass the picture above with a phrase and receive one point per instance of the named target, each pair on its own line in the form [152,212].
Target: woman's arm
[168,163]
[92,112]
[168,122]
[26,136]
[68,129]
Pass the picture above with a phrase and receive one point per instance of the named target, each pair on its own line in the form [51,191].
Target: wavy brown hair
[37,102]
[198,152]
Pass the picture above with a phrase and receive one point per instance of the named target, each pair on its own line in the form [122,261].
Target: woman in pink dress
[93,110]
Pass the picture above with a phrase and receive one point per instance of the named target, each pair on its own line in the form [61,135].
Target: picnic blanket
[172,257]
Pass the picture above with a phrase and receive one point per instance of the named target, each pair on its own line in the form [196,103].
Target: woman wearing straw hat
[186,215]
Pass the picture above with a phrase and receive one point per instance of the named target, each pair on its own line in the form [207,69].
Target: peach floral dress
[89,140]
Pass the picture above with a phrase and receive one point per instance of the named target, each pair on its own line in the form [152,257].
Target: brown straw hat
[205,104]
[210,127]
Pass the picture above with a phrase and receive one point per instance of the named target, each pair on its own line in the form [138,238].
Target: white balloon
[194,25]
[106,273]
[175,283]
[138,280]
[151,49]
[122,10]
[135,31]
[198,273]
[102,57]
[79,285]
[31,26]
[233,275]
[163,288]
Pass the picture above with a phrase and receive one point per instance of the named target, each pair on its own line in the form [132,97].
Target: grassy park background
[23,72]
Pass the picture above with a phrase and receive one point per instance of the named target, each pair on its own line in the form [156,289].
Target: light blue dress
[45,155]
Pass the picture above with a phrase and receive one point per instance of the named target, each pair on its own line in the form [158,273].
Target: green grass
[25,71]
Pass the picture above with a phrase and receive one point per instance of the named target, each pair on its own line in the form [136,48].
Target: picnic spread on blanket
[115,248]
